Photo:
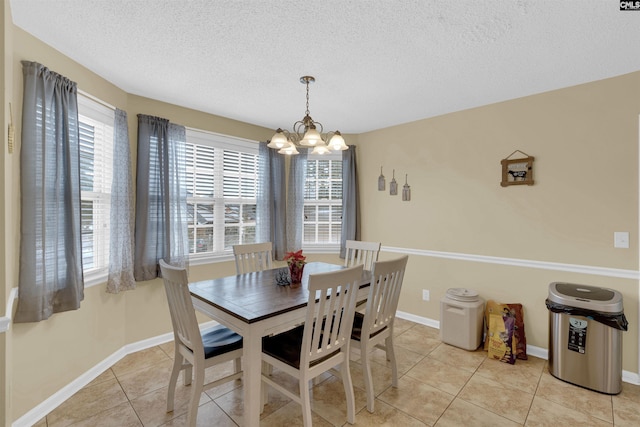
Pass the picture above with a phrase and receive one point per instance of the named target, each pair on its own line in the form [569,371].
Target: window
[323,200]
[221,191]
[96,153]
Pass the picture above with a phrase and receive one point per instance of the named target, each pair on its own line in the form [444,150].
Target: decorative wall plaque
[517,171]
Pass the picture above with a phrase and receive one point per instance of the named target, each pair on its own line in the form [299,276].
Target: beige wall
[585,142]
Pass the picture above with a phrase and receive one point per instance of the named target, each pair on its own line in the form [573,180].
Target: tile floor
[439,385]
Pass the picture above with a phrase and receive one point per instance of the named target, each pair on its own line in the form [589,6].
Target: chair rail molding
[5,321]
[544,265]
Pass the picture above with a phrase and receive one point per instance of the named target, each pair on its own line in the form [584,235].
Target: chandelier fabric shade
[307,133]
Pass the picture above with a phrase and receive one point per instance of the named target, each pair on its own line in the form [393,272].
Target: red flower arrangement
[295,258]
[296,262]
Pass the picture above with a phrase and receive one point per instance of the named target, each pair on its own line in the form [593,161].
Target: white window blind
[222,183]
[96,163]
[323,200]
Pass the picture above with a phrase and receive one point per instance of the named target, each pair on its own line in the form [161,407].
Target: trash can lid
[587,297]
[462,294]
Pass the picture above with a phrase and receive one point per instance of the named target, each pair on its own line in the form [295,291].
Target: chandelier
[307,133]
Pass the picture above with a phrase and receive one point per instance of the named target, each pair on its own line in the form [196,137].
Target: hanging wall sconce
[381,181]
[406,191]
[393,185]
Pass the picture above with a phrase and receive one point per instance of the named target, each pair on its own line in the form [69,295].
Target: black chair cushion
[356,331]
[287,346]
[219,340]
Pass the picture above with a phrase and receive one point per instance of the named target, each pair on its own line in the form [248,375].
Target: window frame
[93,110]
[218,142]
[331,246]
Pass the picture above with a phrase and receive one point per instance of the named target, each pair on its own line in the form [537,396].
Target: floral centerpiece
[296,262]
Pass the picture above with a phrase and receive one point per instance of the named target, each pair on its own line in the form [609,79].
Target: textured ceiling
[376,63]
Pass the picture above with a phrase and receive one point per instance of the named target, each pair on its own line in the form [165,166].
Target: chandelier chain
[307,112]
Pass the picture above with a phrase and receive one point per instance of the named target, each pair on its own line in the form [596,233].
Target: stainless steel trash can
[585,336]
[461,317]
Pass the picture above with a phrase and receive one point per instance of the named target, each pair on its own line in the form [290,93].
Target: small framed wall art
[517,171]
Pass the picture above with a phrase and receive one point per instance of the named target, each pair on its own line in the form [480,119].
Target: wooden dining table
[254,305]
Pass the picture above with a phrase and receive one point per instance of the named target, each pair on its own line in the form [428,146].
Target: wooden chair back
[253,257]
[358,252]
[384,293]
[183,315]
[330,311]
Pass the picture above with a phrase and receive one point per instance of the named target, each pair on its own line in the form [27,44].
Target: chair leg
[391,356]
[196,391]
[348,391]
[237,365]
[188,374]
[305,402]
[368,378]
[175,371]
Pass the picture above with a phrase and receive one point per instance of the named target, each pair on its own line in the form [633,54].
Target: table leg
[252,366]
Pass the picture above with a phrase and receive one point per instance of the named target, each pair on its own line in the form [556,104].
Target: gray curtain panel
[271,200]
[350,199]
[121,212]
[295,199]
[161,197]
[51,279]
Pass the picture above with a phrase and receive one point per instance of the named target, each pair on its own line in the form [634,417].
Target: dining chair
[358,252]
[253,257]
[374,328]
[195,351]
[321,343]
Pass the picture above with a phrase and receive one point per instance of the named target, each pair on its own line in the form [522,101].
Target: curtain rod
[98,100]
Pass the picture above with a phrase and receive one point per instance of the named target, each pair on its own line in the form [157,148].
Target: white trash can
[461,318]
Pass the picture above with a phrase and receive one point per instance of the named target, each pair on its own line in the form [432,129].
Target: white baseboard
[542,353]
[37,413]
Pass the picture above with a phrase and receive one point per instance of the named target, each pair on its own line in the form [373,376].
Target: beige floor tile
[105,376]
[139,360]
[209,415]
[147,379]
[168,348]
[626,412]
[570,396]
[497,397]
[545,413]
[386,415]
[88,402]
[426,330]
[290,415]
[152,407]
[416,341]
[462,413]
[631,392]
[405,358]
[401,325]
[381,377]
[460,358]
[122,415]
[232,402]
[422,401]
[523,375]
[439,384]
[329,401]
[220,371]
[439,375]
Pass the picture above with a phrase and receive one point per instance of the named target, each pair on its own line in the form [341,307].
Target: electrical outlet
[425,295]
[621,239]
